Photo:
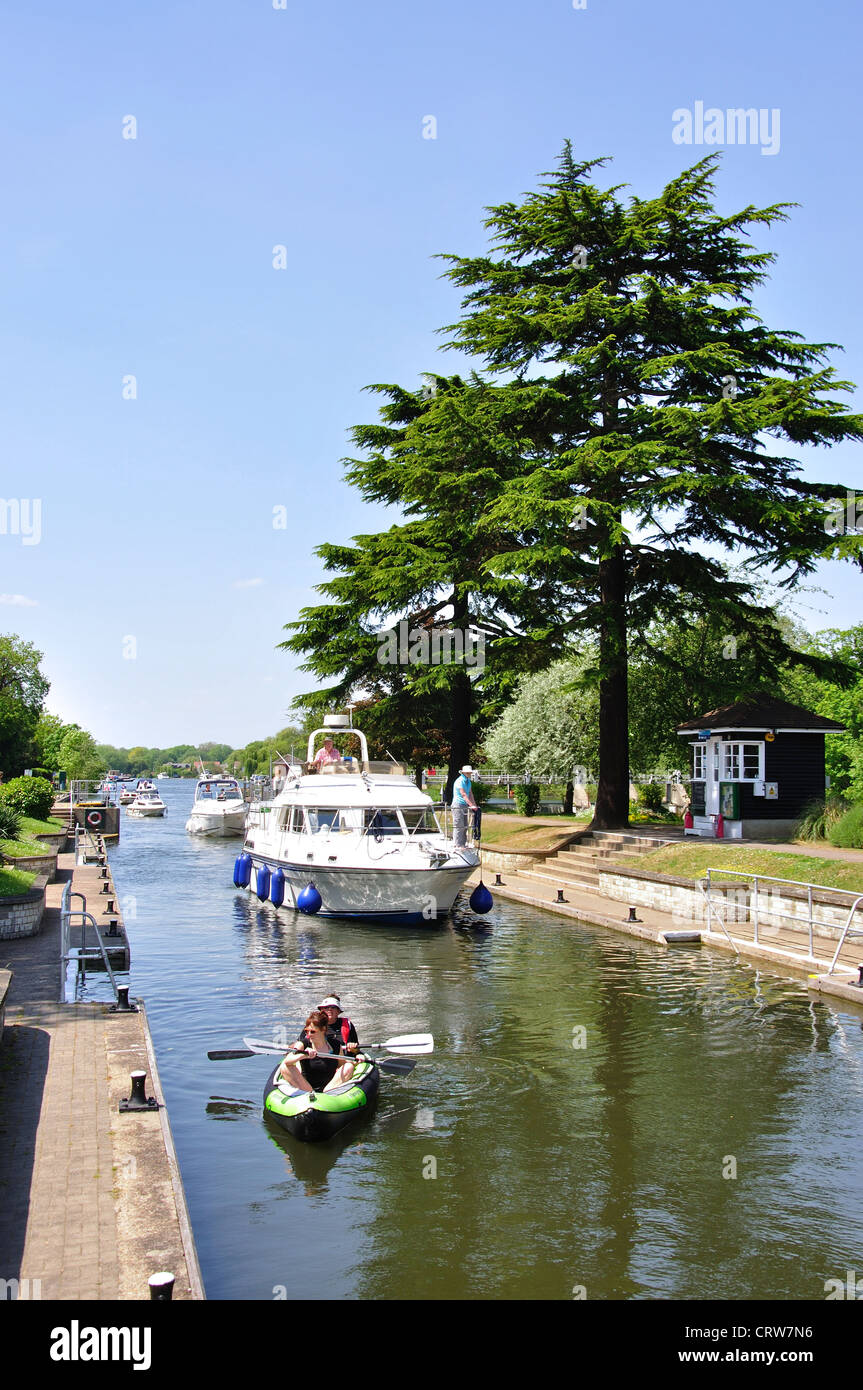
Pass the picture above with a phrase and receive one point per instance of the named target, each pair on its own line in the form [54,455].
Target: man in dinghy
[339,1024]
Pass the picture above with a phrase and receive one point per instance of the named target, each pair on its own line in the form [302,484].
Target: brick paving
[89,1198]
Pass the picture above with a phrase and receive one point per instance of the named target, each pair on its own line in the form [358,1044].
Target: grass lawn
[41,827]
[693,861]
[14,881]
[23,847]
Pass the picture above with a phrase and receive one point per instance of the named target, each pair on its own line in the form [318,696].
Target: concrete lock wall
[733,901]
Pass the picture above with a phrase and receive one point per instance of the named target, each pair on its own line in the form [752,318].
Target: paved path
[91,1202]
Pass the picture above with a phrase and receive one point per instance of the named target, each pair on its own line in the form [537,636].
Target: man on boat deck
[327,754]
[462,802]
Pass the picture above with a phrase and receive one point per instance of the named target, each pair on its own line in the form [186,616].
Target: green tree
[23,688]
[443,455]
[650,454]
[79,756]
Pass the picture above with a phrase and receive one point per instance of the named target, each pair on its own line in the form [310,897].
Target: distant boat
[147,802]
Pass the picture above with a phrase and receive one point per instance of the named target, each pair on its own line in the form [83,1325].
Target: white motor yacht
[353,838]
[219,807]
[147,802]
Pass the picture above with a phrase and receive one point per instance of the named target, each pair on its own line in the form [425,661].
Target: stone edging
[21,913]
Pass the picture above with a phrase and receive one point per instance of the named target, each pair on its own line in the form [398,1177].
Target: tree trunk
[611,811]
[567,799]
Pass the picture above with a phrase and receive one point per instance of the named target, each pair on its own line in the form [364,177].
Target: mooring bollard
[498,881]
[161,1286]
[113,924]
[138,1100]
[632,917]
[560,897]
[860,973]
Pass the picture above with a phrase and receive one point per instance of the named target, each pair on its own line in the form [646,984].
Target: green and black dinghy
[316,1115]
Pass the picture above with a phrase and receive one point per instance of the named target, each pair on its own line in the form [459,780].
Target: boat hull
[212,823]
[320,1115]
[409,896]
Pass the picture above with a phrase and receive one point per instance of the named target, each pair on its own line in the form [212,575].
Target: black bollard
[112,931]
[860,974]
[498,881]
[161,1286]
[138,1100]
[560,897]
[632,917]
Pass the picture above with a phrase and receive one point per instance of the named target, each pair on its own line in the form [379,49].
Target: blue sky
[303,127]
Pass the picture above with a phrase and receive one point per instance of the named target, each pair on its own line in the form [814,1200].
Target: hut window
[699,762]
[741,762]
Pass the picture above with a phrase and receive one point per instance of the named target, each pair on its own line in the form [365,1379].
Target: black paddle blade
[226,1054]
[398,1066]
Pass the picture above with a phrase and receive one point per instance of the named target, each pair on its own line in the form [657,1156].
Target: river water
[600,1118]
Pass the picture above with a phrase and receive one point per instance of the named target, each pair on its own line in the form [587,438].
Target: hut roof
[760,711]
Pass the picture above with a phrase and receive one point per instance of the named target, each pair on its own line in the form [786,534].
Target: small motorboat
[318,1115]
[219,807]
[147,802]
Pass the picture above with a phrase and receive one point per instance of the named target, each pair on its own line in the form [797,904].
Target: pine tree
[443,454]
[649,456]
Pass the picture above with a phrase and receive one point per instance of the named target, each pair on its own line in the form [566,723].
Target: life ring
[95,818]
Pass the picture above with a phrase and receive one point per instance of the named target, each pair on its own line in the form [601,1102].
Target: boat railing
[79,954]
[762,906]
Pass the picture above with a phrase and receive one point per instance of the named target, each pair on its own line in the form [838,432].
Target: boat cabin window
[383,822]
[323,817]
[420,820]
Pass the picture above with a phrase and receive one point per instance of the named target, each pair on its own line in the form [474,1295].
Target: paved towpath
[91,1201]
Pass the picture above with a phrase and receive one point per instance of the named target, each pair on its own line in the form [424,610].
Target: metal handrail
[756,913]
[846,931]
[81,953]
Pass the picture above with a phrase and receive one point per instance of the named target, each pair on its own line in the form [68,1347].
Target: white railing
[756,909]
[80,954]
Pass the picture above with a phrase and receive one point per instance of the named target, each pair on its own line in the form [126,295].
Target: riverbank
[624,891]
[92,1202]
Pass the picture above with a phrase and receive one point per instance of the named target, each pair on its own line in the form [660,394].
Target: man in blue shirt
[462,802]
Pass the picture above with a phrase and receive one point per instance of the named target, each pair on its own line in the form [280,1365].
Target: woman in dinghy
[309,1066]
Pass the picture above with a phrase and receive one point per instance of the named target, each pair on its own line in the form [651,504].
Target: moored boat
[346,837]
[319,1115]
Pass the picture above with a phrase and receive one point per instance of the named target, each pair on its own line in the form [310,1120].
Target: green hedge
[29,796]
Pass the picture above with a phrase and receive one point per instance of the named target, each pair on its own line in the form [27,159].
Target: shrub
[651,796]
[10,822]
[30,796]
[847,833]
[527,798]
[819,818]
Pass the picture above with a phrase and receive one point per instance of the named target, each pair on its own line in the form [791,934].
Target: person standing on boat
[311,1065]
[462,802]
[327,754]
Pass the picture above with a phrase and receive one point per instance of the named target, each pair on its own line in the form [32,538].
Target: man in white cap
[342,1028]
[462,802]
